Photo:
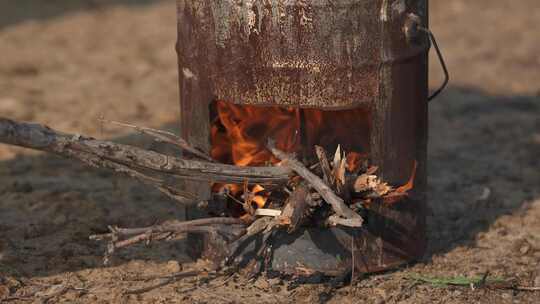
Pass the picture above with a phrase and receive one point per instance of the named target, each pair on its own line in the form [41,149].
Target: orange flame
[240,133]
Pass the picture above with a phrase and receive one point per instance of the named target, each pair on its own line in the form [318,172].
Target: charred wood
[296,207]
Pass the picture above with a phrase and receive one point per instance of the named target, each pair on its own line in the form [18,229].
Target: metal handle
[441,60]
[411,28]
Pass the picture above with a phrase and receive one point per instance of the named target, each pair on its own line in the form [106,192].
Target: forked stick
[124,237]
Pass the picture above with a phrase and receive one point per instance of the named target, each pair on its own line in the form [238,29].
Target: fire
[260,200]
[347,128]
[245,198]
[240,133]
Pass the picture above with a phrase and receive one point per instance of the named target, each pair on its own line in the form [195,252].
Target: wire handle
[441,60]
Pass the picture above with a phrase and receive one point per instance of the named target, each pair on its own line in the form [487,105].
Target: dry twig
[180,196]
[164,136]
[227,227]
[352,219]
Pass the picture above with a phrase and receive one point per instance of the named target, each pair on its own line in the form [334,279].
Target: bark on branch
[40,137]
[222,227]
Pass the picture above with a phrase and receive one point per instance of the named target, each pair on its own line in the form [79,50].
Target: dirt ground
[65,63]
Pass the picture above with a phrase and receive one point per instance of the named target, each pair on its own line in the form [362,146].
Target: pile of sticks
[325,185]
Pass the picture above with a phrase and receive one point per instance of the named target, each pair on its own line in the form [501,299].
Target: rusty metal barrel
[329,55]
[317,53]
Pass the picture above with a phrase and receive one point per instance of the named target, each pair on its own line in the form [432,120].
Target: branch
[183,197]
[125,237]
[164,136]
[338,205]
[42,138]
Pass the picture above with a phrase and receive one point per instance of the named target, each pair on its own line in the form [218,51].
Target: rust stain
[303,53]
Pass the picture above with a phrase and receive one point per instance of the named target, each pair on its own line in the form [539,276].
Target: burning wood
[284,81]
[324,190]
[330,194]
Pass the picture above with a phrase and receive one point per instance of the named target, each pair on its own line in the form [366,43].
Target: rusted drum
[328,55]
[318,53]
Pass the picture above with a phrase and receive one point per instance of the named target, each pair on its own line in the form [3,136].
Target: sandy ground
[68,62]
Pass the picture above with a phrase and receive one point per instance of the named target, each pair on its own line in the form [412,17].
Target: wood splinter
[325,165]
[295,208]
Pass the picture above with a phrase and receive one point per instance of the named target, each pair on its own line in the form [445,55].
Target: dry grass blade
[527,288]
[474,282]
